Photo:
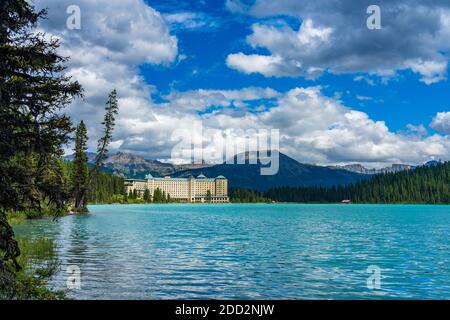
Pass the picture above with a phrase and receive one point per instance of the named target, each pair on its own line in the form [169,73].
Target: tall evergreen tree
[147,197]
[111,110]
[80,167]
[33,90]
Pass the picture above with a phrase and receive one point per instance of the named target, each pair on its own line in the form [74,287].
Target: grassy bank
[39,263]
[17,217]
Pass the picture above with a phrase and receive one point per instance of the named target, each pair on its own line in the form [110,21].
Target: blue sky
[337,91]
[402,101]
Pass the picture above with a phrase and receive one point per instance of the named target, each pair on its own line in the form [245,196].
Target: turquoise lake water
[257,251]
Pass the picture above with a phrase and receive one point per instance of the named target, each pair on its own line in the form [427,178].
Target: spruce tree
[208,196]
[80,167]
[33,90]
[147,195]
[111,110]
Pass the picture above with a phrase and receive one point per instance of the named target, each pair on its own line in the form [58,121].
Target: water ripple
[253,251]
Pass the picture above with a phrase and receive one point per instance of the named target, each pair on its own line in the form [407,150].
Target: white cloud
[363,98]
[254,63]
[314,128]
[198,100]
[441,122]
[431,71]
[368,80]
[282,43]
[115,38]
[328,132]
[190,21]
[118,36]
[236,6]
[333,37]
[419,130]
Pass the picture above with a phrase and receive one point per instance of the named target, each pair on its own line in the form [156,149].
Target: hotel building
[200,189]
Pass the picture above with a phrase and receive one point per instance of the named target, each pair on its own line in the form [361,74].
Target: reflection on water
[253,251]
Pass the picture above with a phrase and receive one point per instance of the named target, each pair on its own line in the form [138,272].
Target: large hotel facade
[200,189]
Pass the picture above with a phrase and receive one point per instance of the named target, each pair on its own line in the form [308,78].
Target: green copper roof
[220,177]
[201,176]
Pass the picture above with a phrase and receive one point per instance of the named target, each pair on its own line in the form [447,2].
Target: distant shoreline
[276,203]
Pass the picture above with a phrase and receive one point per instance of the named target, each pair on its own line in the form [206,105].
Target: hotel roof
[150,177]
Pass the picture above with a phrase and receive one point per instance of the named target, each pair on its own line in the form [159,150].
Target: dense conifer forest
[240,195]
[425,185]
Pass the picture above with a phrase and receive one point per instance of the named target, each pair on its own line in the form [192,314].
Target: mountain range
[132,166]
[290,173]
[358,168]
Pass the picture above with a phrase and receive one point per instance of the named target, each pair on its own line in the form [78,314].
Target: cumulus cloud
[431,71]
[199,100]
[314,128]
[320,129]
[419,130]
[118,36]
[236,6]
[363,98]
[333,37]
[190,21]
[441,122]
[115,38]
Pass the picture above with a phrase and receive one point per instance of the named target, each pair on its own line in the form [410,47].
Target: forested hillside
[427,184]
[239,195]
[104,185]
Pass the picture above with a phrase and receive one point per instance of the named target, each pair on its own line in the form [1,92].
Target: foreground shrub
[39,263]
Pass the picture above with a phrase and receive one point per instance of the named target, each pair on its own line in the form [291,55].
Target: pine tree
[33,90]
[158,196]
[424,184]
[111,110]
[147,197]
[80,168]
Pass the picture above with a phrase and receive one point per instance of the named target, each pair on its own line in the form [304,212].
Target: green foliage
[39,263]
[33,90]
[111,110]
[80,172]
[239,195]
[147,197]
[105,187]
[161,197]
[426,185]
